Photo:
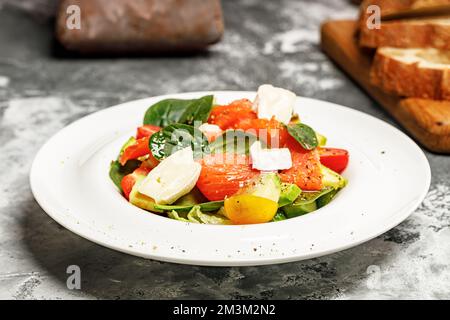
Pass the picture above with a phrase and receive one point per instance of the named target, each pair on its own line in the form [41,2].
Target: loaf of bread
[409,33]
[140,26]
[422,73]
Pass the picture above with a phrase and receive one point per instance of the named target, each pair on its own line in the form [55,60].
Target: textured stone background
[265,42]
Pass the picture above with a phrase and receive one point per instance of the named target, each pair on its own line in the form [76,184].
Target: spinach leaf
[198,110]
[169,111]
[175,137]
[233,141]
[304,134]
[206,207]
[117,171]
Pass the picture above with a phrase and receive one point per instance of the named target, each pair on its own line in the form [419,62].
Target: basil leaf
[304,134]
[169,111]
[206,207]
[117,171]
[233,141]
[198,110]
[176,137]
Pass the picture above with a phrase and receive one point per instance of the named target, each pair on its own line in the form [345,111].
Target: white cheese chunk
[270,159]
[173,178]
[274,102]
[211,131]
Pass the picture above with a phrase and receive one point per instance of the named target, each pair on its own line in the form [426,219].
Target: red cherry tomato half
[335,159]
[138,149]
[129,180]
[146,131]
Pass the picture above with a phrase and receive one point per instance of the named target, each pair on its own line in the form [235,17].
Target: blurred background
[272,41]
[43,88]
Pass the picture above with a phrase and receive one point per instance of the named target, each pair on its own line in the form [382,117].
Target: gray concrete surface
[265,42]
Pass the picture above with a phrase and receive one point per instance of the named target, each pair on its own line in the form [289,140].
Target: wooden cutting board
[428,121]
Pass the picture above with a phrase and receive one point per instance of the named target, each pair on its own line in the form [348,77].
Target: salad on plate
[246,162]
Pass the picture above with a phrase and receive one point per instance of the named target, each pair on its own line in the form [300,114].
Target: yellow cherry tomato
[249,209]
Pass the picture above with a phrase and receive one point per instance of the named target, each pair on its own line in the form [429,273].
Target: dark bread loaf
[141,26]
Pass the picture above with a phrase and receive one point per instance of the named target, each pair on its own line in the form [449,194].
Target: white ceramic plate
[388,178]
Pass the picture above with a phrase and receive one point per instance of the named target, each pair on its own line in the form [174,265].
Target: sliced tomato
[146,131]
[229,116]
[335,159]
[223,175]
[273,132]
[138,149]
[129,180]
[305,171]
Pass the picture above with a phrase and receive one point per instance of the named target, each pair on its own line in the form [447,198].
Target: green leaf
[304,134]
[117,171]
[195,215]
[176,137]
[169,111]
[233,141]
[206,207]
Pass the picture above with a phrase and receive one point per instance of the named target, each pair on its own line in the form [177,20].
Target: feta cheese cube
[270,159]
[211,131]
[274,102]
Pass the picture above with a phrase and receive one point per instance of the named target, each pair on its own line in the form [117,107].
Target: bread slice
[421,73]
[393,9]
[409,33]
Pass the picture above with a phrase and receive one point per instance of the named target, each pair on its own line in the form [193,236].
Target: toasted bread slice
[393,9]
[409,33]
[421,73]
